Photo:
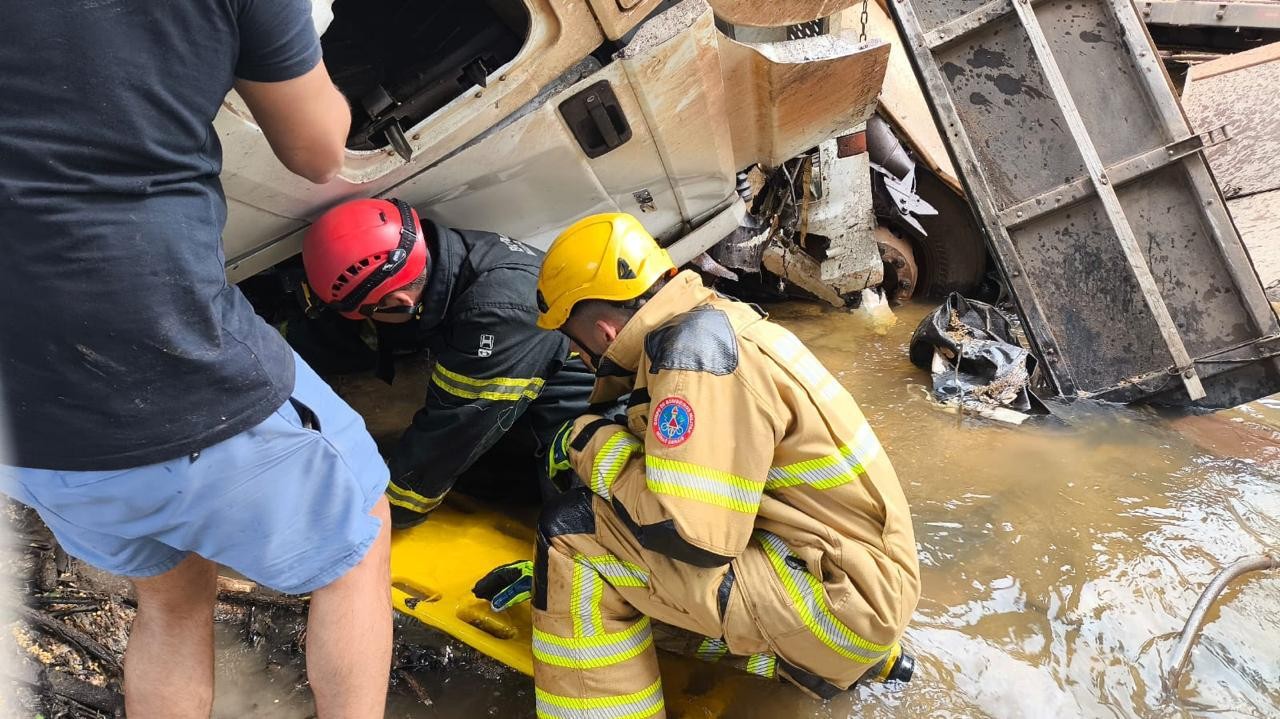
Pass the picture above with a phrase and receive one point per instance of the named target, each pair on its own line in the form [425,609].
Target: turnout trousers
[597,591]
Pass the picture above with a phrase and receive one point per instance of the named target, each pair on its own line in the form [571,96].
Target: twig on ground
[60,613]
[239,591]
[415,686]
[49,600]
[73,637]
[60,684]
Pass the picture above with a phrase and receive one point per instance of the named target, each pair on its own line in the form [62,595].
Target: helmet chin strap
[595,358]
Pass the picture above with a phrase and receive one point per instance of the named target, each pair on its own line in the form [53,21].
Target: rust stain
[775,14]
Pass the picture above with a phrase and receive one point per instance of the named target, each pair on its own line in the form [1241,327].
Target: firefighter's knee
[567,513]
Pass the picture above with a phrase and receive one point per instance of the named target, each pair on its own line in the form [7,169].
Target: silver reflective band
[831,471]
[592,652]
[702,484]
[610,460]
[712,650]
[637,705]
[617,572]
[810,602]
[762,665]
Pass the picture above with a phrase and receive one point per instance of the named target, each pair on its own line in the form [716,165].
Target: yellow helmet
[602,257]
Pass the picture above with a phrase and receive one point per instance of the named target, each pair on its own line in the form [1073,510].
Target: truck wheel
[952,256]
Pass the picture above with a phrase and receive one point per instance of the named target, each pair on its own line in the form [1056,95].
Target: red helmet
[360,251]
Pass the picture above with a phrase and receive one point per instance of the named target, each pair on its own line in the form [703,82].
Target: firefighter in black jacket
[499,388]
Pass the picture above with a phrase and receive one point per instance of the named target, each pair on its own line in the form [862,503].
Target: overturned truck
[814,147]
[727,124]
[520,116]
[1098,205]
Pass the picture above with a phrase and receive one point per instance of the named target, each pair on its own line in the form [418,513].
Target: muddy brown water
[1059,561]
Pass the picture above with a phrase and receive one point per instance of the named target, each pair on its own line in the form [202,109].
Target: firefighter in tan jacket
[743,497]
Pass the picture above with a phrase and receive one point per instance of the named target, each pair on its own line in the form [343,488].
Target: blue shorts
[285,503]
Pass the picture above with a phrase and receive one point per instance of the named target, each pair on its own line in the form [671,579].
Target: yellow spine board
[435,564]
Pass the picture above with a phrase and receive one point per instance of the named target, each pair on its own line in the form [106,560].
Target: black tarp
[982,362]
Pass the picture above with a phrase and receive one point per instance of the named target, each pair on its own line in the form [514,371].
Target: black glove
[506,586]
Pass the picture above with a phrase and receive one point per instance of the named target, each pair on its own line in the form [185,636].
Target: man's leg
[593,651]
[168,667]
[349,634]
[295,503]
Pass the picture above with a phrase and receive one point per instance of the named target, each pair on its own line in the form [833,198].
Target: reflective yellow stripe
[588,589]
[498,389]
[712,650]
[493,396]
[519,382]
[637,705]
[847,465]
[592,652]
[810,602]
[618,572]
[410,499]
[702,484]
[610,460]
[762,665]
[804,365]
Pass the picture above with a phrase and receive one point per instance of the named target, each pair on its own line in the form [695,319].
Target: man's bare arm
[305,120]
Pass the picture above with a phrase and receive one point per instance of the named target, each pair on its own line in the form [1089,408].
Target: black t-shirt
[121,343]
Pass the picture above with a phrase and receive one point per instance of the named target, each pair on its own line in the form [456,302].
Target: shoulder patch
[700,340]
[672,422]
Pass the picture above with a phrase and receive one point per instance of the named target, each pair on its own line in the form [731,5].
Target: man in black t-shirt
[157,425]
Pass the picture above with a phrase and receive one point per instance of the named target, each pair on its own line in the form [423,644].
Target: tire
[952,256]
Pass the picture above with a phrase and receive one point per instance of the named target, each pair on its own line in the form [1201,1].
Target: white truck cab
[521,116]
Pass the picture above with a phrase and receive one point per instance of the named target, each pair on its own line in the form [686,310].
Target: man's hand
[558,455]
[506,586]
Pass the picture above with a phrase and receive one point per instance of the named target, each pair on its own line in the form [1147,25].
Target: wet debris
[976,362]
[67,626]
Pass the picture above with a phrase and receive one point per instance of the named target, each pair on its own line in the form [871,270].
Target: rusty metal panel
[755,13]
[1098,205]
[1212,13]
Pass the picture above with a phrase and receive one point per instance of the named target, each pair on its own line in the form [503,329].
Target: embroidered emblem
[672,422]
[515,246]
